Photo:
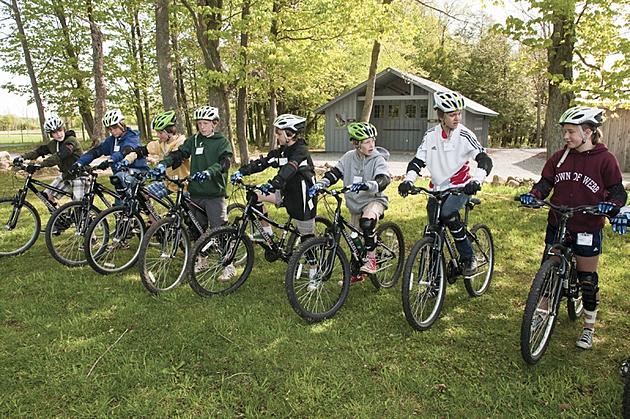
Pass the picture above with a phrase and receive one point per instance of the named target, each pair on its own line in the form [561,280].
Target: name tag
[357,179]
[116,148]
[282,161]
[448,146]
[199,150]
[585,239]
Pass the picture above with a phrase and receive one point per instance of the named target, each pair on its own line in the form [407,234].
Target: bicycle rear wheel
[317,280]
[483,250]
[541,312]
[220,262]
[164,256]
[112,241]
[19,227]
[390,253]
[65,233]
[424,285]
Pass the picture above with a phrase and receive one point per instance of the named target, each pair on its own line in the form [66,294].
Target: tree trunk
[82,92]
[163,55]
[560,68]
[17,16]
[241,99]
[182,98]
[272,115]
[145,96]
[100,92]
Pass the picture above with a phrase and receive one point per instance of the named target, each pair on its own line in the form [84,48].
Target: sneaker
[313,282]
[201,264]
[586,340]
[369,266]
[470,267]
[354,279]
[227,274]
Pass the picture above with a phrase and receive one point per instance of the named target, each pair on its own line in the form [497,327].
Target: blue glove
[200,176]
[608,208]
[620,223]
[314,190]
[120,165]
[359,186]
[472,187]
[236,177]
[528,199]
[158,171]
[266,188]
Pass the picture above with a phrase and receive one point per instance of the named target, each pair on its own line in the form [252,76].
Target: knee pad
[455,225]
[367,226]
[260,207]
[590,289]
[306,228]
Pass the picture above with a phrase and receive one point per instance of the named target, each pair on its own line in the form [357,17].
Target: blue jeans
[450,217]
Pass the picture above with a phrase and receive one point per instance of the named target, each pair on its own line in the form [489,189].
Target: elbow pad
[484,162]
[617,194]
[65,151]
[542,189]
[178,157]
[333,175]
[141,151]
[224,162]
[382,181]
[415,165]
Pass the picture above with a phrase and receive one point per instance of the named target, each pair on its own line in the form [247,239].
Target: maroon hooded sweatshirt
[582,179]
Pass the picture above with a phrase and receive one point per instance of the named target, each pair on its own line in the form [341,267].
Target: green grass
[250,355]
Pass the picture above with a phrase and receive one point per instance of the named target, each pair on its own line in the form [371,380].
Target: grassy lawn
[73,343]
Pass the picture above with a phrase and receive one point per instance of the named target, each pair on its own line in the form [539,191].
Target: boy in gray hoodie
[366,172]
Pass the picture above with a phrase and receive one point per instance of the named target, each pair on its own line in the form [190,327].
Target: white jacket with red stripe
[447,159]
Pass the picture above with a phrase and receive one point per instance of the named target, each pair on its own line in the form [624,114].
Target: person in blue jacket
[119,146]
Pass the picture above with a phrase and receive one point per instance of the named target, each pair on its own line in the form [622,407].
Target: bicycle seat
[472,202]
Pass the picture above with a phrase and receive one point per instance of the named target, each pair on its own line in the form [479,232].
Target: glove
[158,171]
[359,186]
[527,199]
[236,177]
[75,169]
[18,161]
[608,208]
[266,188]
[120,165]
[314,190]
[31,168]
[200,176]
[620,223]
[405,187]
[472,187]
[104,165]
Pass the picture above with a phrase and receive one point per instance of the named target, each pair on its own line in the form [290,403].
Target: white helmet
[53,123]
[448,101]
[209,113]
[582,115]
[292,122]
[112,118]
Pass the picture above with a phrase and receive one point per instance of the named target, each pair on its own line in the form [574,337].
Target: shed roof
[429,85]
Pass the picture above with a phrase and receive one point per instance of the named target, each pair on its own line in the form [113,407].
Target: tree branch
[577,21]
[428,6]
[594,67]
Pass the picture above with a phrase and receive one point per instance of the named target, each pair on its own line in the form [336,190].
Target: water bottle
[357,241]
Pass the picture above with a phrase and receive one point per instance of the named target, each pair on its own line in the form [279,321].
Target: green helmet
[360,131]
[163,120]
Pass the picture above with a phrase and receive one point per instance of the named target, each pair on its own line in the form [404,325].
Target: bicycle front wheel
[483,251]
[19,227]
[626,399]
[541,311]
[317,279]
[390,252]
[424,285]
[220,262]
[164,256]
[113,239]
[322,224]
[65,232]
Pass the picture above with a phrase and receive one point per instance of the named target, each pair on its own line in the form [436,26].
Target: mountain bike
[20,222]
[165,249]
[434,261]
[112,241]
[66,228]
[625,373]
[318,277]
[556,279]
[223,257]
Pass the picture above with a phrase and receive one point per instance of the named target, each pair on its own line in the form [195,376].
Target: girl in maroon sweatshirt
[582,173]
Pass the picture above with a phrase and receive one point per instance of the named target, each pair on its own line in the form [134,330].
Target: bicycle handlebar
[415,190]
[564,209]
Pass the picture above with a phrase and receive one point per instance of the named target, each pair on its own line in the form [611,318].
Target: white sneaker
[201,264]
[228,272]
[586,340]
[313,283]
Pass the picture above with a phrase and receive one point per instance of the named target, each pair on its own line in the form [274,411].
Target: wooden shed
[402,112]
[616,130]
